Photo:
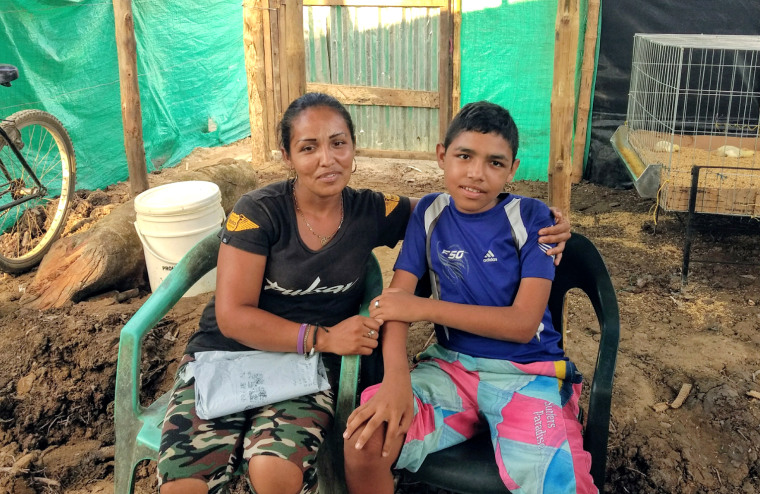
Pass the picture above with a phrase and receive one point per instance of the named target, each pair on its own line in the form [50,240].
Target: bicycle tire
[28,230]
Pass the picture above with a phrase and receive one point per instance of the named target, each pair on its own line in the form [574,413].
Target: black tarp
[621,19]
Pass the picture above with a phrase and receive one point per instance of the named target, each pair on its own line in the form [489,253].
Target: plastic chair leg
[124,472]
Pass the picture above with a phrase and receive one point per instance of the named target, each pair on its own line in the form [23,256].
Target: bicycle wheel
[29,228]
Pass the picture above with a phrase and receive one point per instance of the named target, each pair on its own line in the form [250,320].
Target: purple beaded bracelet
[301,332]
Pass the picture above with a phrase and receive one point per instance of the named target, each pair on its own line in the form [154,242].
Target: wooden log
[126,51]
[109,256]
[562,104]
[253,47]
[584,97]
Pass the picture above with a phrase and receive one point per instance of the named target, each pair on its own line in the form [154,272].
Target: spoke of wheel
[53,145]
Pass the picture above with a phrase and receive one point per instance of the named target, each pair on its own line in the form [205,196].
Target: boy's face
[475,169]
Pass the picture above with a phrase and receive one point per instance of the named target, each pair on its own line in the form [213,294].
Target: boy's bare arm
[392,404]
[517,322]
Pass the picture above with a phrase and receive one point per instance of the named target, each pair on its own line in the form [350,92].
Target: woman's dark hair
[310,100]
[484,117]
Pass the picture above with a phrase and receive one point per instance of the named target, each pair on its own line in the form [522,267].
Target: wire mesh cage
[694,102]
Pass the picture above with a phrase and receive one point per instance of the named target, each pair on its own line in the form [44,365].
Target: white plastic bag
[230,382]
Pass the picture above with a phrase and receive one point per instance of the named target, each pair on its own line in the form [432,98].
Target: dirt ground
[57,367]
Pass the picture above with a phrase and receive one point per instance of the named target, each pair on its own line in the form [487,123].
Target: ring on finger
[377,304]
[372,333]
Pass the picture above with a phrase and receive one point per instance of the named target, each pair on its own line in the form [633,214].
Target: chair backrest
[138,428]
[198,261]
[582,267]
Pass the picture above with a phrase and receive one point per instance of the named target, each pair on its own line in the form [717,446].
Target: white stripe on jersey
[434,210]
[519,231]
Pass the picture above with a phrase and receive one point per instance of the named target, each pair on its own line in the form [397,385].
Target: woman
[290,278]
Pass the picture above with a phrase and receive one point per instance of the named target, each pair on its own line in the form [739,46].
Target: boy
[497,362]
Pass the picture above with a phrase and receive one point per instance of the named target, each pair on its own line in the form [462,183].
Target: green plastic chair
[138,428]
[469,467]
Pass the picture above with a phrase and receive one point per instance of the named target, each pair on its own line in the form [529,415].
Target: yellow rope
[653,209]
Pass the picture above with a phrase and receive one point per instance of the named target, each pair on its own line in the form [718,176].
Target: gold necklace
[322,239]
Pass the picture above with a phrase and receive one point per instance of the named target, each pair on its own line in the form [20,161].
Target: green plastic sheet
[191,73]
[508,58]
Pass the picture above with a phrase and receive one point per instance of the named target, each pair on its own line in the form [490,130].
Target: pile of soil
[57,367]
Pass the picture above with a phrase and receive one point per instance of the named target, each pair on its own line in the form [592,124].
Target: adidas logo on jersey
[489,257]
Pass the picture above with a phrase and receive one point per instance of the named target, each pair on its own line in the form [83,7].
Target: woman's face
[321,151]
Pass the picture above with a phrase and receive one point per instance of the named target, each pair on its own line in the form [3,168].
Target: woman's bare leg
[184,486]
[274,475]
[367,471]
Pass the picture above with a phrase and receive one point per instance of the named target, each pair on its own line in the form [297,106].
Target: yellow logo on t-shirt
[238,223]
[391,201]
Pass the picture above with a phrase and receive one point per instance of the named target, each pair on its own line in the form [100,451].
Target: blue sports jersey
[479,259]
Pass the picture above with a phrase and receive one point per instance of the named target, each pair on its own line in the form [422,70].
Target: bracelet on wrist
[314,341]
[300,345]
[306,338]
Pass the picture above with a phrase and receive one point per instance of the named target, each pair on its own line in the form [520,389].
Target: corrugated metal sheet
[378,46]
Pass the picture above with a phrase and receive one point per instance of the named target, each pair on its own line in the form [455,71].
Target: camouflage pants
[213,450]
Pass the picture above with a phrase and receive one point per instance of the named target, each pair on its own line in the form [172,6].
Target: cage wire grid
[694,101]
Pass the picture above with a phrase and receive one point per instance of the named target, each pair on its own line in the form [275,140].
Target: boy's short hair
[484,117]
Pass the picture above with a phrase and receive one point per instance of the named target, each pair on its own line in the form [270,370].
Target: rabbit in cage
[667,147]
[733,152]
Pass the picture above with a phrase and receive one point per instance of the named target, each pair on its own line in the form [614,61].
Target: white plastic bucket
[170,220]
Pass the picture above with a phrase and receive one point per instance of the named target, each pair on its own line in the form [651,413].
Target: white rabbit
[733,152]
[666,146]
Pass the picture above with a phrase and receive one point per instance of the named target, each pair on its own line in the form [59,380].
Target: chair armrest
[350,364]
[330,458]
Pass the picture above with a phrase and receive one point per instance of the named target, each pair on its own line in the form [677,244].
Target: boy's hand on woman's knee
[392,405]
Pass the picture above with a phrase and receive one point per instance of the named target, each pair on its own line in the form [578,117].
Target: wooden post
[274,33]
[253,43]
[584,98]
[282,65]
[126,50]
[562,104]
[456,57]
[271,131]
[444,70]
[295,50]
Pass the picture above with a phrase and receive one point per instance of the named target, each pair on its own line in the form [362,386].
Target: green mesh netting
[192,74]
[508,58]
[190,64]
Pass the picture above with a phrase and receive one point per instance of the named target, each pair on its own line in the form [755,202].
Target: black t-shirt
[300,284]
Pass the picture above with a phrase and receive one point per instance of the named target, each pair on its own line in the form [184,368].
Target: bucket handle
[149,249]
